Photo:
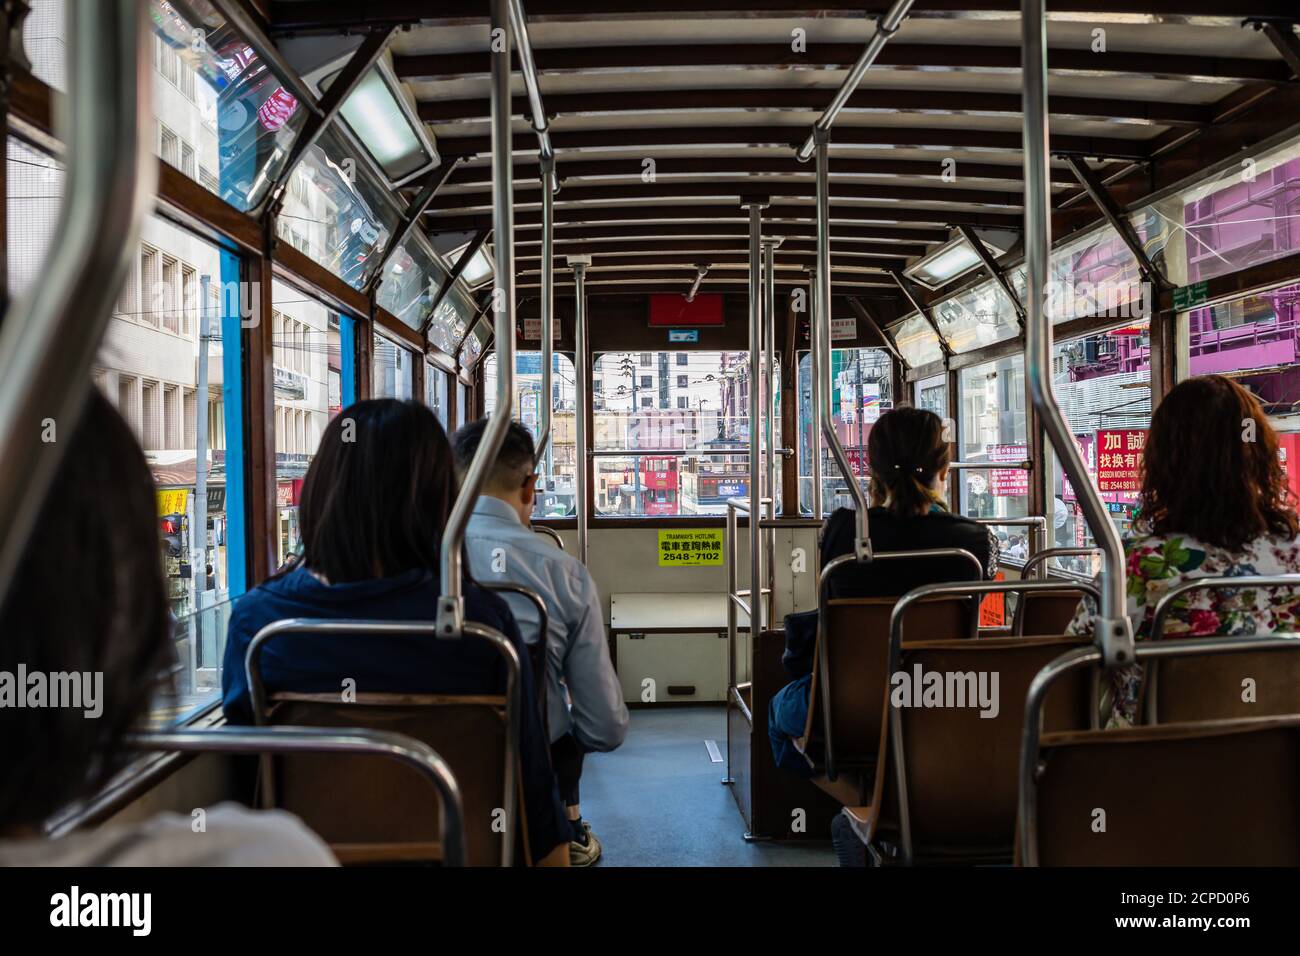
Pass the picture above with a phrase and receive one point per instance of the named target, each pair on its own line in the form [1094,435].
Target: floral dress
[1157,563]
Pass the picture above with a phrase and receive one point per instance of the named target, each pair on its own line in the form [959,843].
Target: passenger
[1214,502]
[584,700]
[907,458]
[374,505]
[95,608]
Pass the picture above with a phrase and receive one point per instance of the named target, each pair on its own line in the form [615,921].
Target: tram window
[1255,340]
[435,391]
[392,370]
[1243,216]
[1103,384]
[917,342]
[340,208]
[1094,275]
[932,395]
[992,417]
[977,317]
[167,334]
[34,191]
[306,341]
[700,469]
[861,390]
[556,488]
[229,120]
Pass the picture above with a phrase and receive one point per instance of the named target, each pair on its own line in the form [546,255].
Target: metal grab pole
[451,605]
[755,416]
[52,333]
[822,328]
[548,313]
[886,27]
[1114,633]
[769,368]
[582,388]
[814,368]
[528,68]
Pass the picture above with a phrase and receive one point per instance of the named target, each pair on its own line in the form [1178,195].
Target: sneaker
[584,852]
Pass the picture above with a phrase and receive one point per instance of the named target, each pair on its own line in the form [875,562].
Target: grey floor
[657,800]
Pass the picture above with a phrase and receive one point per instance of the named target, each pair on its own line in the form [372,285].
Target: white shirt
[231,835]
[503,550]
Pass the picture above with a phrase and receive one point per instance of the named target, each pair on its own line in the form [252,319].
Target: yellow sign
[172,501]
[690,546]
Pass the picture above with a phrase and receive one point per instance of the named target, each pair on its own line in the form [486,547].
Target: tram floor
[658,800]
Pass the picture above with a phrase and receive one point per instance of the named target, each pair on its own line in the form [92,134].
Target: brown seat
[371,811]
[961,769]
[847,703]
[1045,612]
[1204,793]
[1215,687]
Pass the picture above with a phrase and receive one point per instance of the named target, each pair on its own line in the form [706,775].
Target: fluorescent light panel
[953,259]
[479,268]
[373,113]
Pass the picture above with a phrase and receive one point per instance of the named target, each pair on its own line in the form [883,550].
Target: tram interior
[697,252]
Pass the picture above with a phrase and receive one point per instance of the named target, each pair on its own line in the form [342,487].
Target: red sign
[669,309]
[287,493]
[993,609]
[277,109]
[1119,458]
[1008,482]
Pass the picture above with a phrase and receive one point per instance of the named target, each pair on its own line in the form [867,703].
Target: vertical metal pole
[814,370]
[755,420]
[583,389]
[1114,633]
[548,311]
[451,605]
[769,360]
[199,552]
[822,323]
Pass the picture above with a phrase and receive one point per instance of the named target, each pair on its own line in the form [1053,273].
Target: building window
[150,279]
[647,381]
[169,146]
[681,401]
[683,381]
[683,358]
[187,159]
[645,360]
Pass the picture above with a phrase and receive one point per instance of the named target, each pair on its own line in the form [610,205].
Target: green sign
[1190,296]
[690,546]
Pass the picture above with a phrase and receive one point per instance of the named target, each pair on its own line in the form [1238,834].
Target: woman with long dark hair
[1214,502]
[374,504]
[88,605]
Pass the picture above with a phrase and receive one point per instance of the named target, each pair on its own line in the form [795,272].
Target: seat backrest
[1205,793]
[1258,683]
[1045,612]
[962,768]
[369,811]
[853,667]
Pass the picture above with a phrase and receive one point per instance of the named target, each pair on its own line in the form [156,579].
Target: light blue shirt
[502,550]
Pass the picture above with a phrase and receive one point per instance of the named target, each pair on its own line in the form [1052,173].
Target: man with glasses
[584,700]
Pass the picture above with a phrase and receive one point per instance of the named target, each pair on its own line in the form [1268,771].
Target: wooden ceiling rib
[664,115]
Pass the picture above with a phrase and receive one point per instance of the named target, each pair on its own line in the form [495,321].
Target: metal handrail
[471,629]
[886,27]
[1166,604]
[1114,632]
[451,603]
[543,636]
[665,452]
[52,333]
[1027,815]
[1036,524]
[547,293]
[528,69]
[823,595]
[264,741]
[582,389]
[550,533]
[1046,554]
[820,330]
[1025,465]
[895,652]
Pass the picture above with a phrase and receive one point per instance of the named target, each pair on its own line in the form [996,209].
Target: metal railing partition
[52,334]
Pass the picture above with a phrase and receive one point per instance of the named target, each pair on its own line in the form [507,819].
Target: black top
[895,577]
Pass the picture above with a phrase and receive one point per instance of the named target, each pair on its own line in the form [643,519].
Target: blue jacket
[317,663]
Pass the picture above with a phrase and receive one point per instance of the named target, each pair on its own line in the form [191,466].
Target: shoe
[584,853]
